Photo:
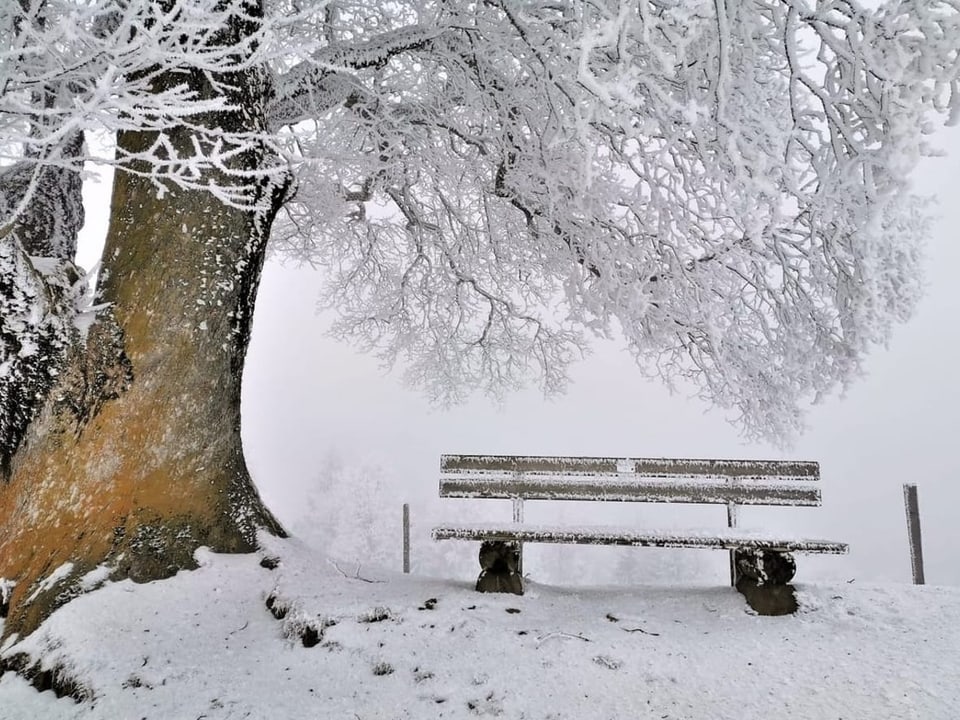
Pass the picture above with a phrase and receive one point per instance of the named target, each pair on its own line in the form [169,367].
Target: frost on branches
[723,185]
[488,185]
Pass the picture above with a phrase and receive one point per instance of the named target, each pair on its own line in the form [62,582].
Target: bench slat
[617,488]
[783,470]
[729,539]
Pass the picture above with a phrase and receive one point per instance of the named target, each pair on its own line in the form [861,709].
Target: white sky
[306,396]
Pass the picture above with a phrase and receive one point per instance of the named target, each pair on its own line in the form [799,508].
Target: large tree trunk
[134,459]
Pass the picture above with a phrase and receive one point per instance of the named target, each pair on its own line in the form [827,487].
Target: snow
[203,644]
[6,587]
[95,578]
[52,579]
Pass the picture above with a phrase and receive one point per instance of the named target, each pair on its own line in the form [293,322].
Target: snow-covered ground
[203,645]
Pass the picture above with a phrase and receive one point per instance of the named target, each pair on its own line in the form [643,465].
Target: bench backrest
[741,482]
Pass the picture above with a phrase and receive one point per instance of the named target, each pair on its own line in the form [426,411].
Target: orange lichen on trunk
[136,459]
[108,496]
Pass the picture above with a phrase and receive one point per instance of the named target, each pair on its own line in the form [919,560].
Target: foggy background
[336,445]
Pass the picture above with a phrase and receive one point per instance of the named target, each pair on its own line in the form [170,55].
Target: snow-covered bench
[756,558]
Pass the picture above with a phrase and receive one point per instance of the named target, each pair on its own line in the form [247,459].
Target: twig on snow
[613,618]
[640,630]
[356,574]
[543,638]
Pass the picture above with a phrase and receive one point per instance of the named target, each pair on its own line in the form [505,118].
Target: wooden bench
[756,559]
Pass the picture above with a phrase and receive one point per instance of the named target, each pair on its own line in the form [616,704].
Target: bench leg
[767,567]
[764,577]
[499,568]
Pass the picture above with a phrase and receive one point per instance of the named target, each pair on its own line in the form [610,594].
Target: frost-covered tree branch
[725,185]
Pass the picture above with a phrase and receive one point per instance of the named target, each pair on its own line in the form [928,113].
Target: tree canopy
[487,186]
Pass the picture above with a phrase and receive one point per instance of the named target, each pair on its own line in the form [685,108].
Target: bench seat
[726,539]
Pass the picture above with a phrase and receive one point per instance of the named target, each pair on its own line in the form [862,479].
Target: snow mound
[344,641]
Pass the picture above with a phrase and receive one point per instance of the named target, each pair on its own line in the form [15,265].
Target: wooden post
[518,518]
[732,522]
[913,532]
[406,538]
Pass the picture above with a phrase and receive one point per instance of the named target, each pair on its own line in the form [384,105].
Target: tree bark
[134,459]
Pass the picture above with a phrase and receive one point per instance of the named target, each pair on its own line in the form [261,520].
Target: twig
[607,662]
[543,638]
[640,630]
[234,632]
[355,576]
[613,618]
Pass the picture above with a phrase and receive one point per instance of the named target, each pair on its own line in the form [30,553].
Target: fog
[307,398]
